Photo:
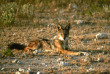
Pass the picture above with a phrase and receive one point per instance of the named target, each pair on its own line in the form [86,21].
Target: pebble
[38,72]
[22,70]
[79,21]
[45,64]
[62,63]
[28,71]
[14,61]
[36,51]
[14,34]
[86,54]
[100,60]
[19,62]
[2,68]
[101,36]
[17,72]
[90,69]
[40,30]
[100,47]
[60,59]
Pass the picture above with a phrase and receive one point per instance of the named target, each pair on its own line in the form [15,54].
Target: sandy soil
[81,38]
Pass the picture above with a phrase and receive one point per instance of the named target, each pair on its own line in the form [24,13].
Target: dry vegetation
[27,20]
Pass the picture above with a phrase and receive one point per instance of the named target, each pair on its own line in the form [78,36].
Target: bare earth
[82,38]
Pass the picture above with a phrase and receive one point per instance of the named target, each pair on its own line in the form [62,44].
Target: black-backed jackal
[59,44]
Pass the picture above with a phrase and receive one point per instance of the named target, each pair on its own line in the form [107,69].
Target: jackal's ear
[59,28]
[67,26]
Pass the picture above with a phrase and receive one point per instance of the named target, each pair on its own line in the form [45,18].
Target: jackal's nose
[64,37]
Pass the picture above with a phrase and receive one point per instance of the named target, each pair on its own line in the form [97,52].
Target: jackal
[59,44]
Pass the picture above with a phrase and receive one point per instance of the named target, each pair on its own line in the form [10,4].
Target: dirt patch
[81,38]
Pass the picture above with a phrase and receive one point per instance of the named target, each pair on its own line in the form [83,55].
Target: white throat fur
[61,38]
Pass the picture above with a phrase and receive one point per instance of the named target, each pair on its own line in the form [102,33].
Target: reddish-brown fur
[59,45]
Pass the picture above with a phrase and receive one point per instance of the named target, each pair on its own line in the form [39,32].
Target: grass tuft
[7,53]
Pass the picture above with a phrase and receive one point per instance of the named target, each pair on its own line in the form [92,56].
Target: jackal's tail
[70,52]
[17,46]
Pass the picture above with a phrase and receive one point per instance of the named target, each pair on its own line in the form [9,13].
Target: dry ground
[81,38]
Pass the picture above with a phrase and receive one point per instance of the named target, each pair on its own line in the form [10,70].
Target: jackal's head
[63,33]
